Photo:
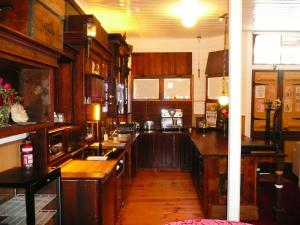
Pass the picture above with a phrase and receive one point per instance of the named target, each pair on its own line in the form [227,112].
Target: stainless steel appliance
[171,118]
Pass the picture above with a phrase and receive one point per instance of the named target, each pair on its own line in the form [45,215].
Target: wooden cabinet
[30,66]
[145,144]
[92,63]
[160,64]
[164,150]
[89,202]
[119,71]
[42,20]
[197,170]
[89,192]
[184,145]
[166,155]
[63,83]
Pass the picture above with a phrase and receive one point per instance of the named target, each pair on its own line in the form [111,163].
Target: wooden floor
[156,198]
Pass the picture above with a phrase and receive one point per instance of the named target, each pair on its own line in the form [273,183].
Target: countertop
[86,169]
[215,143]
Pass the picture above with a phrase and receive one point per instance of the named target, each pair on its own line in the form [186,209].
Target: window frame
[161,87]
[280,50]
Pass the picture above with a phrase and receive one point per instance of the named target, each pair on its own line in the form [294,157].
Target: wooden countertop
[86,169]
[212,143]
[215,143]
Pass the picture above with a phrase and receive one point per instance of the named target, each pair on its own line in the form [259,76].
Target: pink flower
[7,86]
[1,80]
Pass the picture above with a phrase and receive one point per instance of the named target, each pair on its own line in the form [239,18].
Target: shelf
[15,129]
[16,206]
[41,218]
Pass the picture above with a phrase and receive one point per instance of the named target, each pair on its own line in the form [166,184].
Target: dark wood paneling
[64,90]
[160,64]
[150,110]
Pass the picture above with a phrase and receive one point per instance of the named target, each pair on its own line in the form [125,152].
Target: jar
[26,154]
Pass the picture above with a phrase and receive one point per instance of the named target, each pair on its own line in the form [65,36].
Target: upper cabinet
[29,66]
[161,64]
[85,34]
[40,19]
[117,96]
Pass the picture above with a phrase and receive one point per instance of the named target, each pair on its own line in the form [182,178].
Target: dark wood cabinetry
[64,83]
[92,63]
[166,155]
[164,150]
[145,143]
[117,98]
[89,193]
[30,66]
[161,64]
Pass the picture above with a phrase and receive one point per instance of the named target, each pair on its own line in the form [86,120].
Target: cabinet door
[94,88]
[183,145]
[166,155]
[79,205]
[265,85]
[146,150]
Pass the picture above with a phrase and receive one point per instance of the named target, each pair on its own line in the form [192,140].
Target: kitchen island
[210,173]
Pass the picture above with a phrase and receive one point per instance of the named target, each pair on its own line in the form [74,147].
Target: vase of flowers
[223,119]
[8,96]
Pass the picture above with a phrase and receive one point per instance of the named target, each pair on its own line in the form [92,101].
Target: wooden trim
[17,47]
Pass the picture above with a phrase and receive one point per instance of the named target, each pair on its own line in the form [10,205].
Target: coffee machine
[171,118]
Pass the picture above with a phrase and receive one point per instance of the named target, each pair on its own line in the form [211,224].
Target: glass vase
[4,116]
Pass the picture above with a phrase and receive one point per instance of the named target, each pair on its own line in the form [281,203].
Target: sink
[113,144]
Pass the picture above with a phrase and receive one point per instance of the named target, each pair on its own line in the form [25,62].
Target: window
[146,89]
[177,88]
[276,49]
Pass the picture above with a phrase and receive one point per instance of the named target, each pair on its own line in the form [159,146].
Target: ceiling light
[189,11]
[122,4]
[189,21]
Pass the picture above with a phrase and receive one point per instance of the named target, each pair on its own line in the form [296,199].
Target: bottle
[26,154]
[105,136]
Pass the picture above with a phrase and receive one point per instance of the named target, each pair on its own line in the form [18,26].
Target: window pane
[215,85]
[267,49]
[146,88]
[177,88]
[290,53]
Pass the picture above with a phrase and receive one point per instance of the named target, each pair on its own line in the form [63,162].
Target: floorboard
[159,197]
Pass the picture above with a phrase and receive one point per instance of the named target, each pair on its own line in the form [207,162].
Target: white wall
[199,48]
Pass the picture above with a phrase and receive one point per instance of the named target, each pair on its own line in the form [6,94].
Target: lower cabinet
[197,170]
[89,202]
[164,150]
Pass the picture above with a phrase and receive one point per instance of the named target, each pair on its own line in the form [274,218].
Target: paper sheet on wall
[211,118]
[260,91]
[297,95]
[288,92]
[260,106]
[288,105]
[199,107]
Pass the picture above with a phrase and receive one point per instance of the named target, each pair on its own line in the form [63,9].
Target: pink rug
[206,222]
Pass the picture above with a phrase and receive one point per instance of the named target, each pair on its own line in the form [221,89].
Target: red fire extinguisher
[26,154]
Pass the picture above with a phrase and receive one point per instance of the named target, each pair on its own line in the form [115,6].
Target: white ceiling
[152,18]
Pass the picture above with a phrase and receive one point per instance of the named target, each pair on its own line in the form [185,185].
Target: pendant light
[224,99]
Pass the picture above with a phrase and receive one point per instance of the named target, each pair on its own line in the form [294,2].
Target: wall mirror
[214,87]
